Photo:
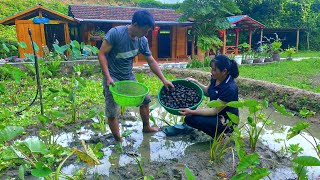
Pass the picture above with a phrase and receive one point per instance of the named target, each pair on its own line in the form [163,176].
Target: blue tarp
[233,19]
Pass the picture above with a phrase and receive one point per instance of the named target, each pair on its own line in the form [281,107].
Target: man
[120,46]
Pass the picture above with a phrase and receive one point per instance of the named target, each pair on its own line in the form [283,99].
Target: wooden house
[46,26]
[169,40]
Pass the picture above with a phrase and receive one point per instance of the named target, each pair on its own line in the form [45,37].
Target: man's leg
[111,109]
[114,127]
[144,113]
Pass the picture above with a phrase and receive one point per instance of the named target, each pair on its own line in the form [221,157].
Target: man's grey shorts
[111,109]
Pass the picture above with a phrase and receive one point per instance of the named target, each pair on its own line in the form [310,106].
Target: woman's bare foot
[150,129]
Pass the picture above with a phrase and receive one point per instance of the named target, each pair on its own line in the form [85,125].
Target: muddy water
[159,148]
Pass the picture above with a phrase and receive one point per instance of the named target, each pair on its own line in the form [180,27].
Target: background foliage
[272,13]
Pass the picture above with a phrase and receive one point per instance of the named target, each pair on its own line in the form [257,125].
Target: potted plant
[250,56]
[276,49]
[289,53]
[263,53]
[97,35]
[244,49]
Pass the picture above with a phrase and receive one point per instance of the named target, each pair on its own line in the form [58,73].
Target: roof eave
[129,21]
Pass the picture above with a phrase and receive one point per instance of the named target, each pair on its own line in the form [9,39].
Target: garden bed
[160,156]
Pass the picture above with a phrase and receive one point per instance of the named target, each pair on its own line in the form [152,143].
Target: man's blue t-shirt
[226,91]
[124,49]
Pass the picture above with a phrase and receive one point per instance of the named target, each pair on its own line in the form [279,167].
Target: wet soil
[190,150]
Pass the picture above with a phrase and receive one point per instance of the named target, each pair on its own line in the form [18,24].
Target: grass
[301,74]
[303,53]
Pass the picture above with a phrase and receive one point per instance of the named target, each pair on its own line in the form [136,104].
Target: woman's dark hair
[223,62]
[143,18]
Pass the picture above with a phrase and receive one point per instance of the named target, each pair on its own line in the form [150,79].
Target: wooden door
[37,31]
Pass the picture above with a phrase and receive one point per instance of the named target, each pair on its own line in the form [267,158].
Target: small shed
[239,24]
[168,41]
[289,36]
[47,26]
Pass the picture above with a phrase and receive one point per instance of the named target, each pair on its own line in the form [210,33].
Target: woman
[223,88]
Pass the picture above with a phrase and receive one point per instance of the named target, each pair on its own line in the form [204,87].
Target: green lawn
[303,53]
[301,74]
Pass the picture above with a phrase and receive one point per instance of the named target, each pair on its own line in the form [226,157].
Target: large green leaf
[4,46]
[75,44]
[235,104]
[2,88]
[189,174]
[307,161]
[234,118]
[17,74]
[296,129]
[251,103]
[301,171]
[23,45]
[58,49]
[259,173]
[13,47]
[215,103]
[43,119]
[35,146]
[281,109]
[248,161]
[53,90]
[21,172]
[10,132]
[241,176]
[41,170]
[36,47]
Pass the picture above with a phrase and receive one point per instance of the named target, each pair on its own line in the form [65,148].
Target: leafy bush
[8,48]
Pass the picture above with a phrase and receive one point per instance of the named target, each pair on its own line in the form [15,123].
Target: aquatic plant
[300,162]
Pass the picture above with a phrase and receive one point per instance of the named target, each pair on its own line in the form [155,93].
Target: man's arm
[104,49]
[157,71]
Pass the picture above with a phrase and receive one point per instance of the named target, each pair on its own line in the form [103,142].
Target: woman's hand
[191,79]
[185,111]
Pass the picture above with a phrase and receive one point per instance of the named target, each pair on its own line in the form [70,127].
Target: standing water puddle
[159,148]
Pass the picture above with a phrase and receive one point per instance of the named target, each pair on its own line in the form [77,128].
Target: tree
[209,16]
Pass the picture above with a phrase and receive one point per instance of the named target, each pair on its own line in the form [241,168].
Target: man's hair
[143,18]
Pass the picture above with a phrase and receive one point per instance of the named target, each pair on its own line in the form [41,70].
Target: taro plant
[100,117]
[219,144]
[248,168]
[295,148]
[257,119]
[301,162]
[50,123]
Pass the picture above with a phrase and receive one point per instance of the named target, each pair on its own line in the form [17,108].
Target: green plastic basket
[184,83]
[128,93]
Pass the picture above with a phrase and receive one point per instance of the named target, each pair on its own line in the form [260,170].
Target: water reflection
[157,147]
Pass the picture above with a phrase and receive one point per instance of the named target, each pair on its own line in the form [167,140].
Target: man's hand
[185,111]
[110,81]
[168,84]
